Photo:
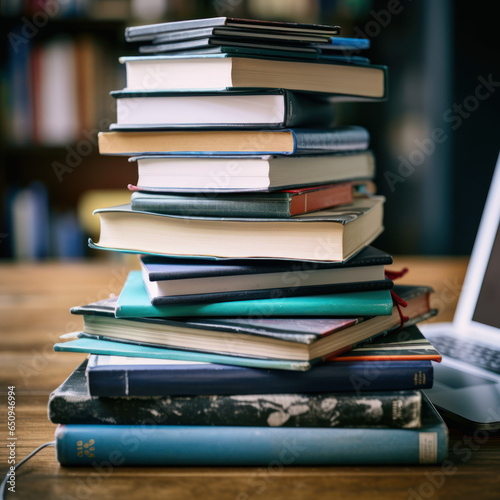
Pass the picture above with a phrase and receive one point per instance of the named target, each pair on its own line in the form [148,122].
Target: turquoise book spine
[131,445]
[134,302]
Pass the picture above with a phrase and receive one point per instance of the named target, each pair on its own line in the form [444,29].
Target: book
[170,280]
[215,174]
[260,47]
[134,301]
[273,339]
[284,203]
[278,108]
[71,403]
[330,235]
[130,445]
[121,376]
[152,31]
[247,33]
[114,348]
[407,344]
[234,142]
[226,71]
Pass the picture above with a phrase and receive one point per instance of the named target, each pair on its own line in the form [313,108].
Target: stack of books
[262,325]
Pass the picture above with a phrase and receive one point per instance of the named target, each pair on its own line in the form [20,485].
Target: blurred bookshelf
[59,60]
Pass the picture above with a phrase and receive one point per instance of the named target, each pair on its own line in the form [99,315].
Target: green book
[134,302]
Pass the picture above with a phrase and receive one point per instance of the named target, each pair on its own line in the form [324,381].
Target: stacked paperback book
[262,325]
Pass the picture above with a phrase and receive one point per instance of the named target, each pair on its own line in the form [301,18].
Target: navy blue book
[125,376]
[180,445]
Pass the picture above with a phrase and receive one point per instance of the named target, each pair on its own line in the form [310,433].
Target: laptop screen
[487,310]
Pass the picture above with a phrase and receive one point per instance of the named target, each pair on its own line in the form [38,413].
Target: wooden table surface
[34,310]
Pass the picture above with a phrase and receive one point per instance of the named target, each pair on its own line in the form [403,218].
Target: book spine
[205,445]
[216,379]
[383,409]
[340,139]
[303,110]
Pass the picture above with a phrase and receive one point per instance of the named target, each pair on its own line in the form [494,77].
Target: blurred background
[436,139]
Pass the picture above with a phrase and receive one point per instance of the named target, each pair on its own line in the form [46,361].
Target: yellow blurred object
[94,199]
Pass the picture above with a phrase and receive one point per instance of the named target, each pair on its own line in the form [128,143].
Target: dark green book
[276,204]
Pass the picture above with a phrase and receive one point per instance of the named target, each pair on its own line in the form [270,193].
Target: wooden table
[34,309]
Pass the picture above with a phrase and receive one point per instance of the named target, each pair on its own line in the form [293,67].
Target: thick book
[149,32]
[331,235]
[226,71]
[71,404]
[234,142]
[279,108]
[260,338]
[215,174]
[122,376]
[284,203]
[169,280]
[134,302]
[235,445]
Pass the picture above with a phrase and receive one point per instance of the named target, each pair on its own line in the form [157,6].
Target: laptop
[466,387]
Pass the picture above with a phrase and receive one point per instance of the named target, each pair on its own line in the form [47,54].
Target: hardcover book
[332,235]
[134,301]
[170,281]
[279,108]
[71,404]
[237,445]
[215,174]
[226,71]
[132,376]
[266,205]
[295,141]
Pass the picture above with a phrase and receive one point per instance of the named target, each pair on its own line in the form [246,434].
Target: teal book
[112,348]
[134,302]
[179,445]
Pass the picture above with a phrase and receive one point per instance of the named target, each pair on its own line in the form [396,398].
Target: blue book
[122,376]
[130,445]
[134,302]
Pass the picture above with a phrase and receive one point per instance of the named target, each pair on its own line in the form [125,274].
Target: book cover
[234,142]
[277,204]
[71,404]
[213,445]
[151,31]
[216,174]
[121,376]
[113,348]
[274,108]
[331,235]
[134,302]
[226,71]
[165,268]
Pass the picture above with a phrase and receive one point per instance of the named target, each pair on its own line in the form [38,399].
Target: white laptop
[466,386]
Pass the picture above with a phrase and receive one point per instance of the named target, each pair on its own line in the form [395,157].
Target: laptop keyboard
[484,357]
